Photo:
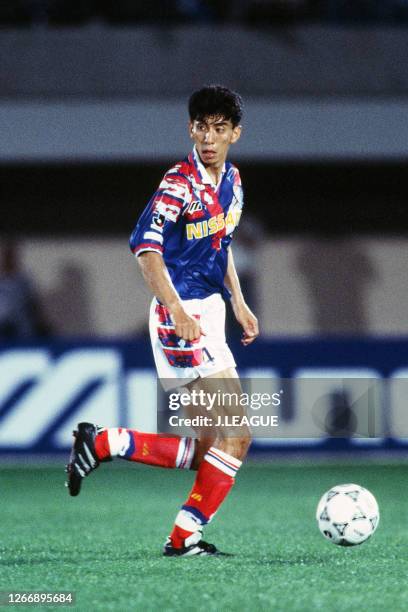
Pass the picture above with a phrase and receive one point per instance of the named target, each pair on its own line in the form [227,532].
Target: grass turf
[105,545]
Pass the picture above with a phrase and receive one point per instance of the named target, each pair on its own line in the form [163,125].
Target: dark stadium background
[93,100]
[290,197]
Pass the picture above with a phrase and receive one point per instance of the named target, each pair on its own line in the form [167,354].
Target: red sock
[214,480]
[152,449]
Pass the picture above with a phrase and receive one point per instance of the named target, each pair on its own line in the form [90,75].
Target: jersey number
[208,355]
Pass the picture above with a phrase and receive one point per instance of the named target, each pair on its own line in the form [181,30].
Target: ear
[190,129]
[236,133]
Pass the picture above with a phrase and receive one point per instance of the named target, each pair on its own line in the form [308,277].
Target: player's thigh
[222,404]
[207,401]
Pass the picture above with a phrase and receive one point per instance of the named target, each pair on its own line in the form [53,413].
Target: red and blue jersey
[190,222]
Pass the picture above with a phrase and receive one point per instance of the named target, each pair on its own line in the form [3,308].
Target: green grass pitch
[105,545]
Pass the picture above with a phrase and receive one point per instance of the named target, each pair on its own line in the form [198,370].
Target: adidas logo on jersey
[195,206]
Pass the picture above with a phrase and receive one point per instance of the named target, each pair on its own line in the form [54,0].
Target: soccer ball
[347,515]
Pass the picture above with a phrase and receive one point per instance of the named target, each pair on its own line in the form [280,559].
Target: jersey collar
[205,177]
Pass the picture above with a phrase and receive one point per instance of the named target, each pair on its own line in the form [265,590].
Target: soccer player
[183,245]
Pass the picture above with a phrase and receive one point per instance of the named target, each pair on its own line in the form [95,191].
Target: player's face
[212,137]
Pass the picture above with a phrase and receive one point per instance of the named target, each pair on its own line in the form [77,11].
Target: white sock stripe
[190,453]
[221,466]
[187,521]
[224,462]
[113,440]
[181,451]
[185,453]
[119,441]
[228,459]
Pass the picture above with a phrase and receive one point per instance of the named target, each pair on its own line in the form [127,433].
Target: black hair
[215,101]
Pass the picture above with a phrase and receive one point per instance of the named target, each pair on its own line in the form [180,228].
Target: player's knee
[246,442]
[238,447]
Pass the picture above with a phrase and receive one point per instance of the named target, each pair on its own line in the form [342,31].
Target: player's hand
[186,326]
[248,321]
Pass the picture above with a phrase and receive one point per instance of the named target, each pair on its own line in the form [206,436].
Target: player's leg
[237,445]
[168,451]
[218,455]
[218,458]
[152,449]
[93,445]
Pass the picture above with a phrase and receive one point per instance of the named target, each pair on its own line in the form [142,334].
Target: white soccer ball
[347,515]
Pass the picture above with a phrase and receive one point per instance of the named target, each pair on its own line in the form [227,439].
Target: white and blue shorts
[183,360]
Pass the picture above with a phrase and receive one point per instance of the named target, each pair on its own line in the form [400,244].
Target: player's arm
[158,280]
[242,312]
[147,242]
